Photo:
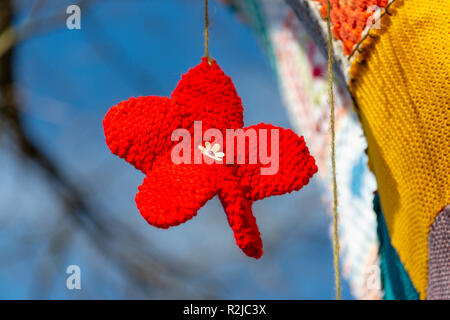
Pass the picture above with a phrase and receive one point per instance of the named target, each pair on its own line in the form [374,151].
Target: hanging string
[337,276]
[207,32]
[333,138]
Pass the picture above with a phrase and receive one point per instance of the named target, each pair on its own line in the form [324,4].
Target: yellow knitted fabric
[402,89]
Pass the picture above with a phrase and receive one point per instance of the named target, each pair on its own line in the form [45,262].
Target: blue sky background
[68,79]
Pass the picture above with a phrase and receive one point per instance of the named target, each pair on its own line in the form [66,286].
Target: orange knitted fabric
[349,19]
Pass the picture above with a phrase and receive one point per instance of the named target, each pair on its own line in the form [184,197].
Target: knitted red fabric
[139,130]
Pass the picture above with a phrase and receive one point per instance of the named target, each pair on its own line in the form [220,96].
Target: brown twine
[207,33]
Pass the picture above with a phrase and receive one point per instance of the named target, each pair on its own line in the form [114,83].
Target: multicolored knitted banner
[402,90]
[394,58]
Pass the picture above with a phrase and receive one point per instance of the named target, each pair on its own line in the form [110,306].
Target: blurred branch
[32,26]
[131,253]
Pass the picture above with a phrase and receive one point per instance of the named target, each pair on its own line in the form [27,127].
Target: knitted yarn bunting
[140,130]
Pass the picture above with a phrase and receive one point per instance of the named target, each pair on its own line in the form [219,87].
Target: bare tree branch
[132,254]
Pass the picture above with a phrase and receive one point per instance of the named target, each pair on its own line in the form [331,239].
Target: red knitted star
[140,131]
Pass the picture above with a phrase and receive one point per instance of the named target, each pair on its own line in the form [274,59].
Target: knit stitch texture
[396,282]
[139,130]
[350,18]
[439,257]
[402,89]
